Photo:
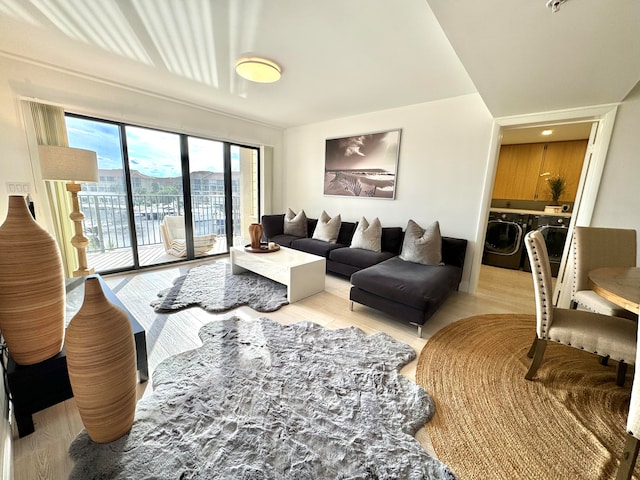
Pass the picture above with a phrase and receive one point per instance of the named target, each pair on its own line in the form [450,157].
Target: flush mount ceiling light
[258,69]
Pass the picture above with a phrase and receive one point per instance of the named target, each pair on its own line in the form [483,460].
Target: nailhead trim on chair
[588,307]
[574,282]
[538,267]
[582,348]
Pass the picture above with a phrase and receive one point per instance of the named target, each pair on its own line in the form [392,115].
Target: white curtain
[50,129]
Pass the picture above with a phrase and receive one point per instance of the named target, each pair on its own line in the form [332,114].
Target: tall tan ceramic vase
[32,293]
[255,232]
[101,359]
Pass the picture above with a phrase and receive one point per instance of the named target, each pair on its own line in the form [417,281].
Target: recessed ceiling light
[547,132]
[258,69]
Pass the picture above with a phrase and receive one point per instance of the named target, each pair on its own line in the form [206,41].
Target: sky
[367,151]
[151,152]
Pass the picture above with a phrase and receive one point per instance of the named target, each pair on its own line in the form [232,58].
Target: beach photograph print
[362,165]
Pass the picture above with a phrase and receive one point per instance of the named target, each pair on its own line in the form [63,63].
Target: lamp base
[79,241]
[84,272]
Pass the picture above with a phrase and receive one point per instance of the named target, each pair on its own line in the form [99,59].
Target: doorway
[602,119]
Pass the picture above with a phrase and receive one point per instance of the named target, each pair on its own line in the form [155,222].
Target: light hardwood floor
[43,454]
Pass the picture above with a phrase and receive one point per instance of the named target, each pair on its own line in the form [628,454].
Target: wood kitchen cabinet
[518,170]
[565,159]
[523,169]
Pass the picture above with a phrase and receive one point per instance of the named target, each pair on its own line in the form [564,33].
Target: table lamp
[72,165]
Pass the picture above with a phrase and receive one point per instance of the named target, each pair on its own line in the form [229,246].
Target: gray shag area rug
[213,287]
[260,400]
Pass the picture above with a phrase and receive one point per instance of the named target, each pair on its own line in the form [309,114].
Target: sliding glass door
[221,172]
[163,196]
[107,222]
[244,191]
[155,172]
[208,196]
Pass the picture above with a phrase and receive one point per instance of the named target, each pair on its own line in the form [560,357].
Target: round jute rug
[491,423]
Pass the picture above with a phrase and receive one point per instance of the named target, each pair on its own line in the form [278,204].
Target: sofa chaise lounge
[409,291]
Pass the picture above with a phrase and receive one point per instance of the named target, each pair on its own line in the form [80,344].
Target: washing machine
[504,241]
[554,230]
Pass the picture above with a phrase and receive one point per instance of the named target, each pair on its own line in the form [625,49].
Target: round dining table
[620,285]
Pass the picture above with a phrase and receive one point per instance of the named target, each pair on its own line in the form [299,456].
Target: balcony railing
[106,222]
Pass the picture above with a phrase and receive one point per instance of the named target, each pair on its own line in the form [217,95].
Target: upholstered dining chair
[603,335]
[595,248]
[632,443]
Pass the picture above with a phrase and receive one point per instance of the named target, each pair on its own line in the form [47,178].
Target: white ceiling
[562,132]
[524,59]
[339,58]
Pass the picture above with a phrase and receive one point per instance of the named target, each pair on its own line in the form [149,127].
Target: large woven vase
[101,359]
[255,232]
[32,298]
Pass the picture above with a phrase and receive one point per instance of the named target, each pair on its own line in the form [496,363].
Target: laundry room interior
[535,188]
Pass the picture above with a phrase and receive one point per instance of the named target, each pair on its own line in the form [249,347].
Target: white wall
[443,161]
[90,97]
[618,202]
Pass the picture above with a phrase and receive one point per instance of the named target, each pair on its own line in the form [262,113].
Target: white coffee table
[302,273]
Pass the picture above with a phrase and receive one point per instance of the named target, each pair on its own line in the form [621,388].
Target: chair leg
[351,305]
[541,346]
[621,373]
[628,459]
[532,349]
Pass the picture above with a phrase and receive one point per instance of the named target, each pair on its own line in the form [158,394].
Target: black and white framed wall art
[362,165]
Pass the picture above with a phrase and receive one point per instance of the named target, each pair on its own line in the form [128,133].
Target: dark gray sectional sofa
[411,292]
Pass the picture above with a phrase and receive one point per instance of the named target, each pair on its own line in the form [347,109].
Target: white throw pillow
[368,236]
[422,245]
[327,228]
[295,224]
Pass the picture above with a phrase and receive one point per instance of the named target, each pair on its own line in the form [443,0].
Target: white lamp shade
[66,163]
[258,70]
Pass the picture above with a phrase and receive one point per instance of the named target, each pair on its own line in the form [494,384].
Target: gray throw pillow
[327,228]
[295,224]
[422,245]
[368,236]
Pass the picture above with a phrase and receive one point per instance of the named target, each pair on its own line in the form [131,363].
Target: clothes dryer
[504,240]
[554,230]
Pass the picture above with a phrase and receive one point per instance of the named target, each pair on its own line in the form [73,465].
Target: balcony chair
[604,335]
[173,236]
[596,248]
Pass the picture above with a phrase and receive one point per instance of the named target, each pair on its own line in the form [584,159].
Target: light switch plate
[18,188]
